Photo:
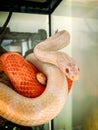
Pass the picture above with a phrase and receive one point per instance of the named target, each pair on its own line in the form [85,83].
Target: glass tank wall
[80,18]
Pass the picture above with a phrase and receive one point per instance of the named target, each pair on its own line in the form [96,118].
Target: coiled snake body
[56,66]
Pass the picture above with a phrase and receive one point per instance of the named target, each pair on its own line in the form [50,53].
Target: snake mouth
[76,77]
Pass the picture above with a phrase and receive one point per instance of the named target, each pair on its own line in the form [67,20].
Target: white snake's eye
[67,70]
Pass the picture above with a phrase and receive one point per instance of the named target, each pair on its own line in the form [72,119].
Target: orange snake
[56,66]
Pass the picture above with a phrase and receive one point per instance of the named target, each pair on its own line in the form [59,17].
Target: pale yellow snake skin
[36,111]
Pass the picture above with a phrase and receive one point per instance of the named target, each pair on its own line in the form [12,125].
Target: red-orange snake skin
[56,66]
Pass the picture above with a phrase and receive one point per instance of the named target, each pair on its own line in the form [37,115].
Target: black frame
[29,6]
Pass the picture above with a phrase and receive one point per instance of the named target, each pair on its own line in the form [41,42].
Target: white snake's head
[72,71]
[68,66]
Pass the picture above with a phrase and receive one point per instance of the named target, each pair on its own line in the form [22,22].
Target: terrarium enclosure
[80,18]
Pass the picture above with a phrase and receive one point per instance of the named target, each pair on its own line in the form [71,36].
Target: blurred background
[80,18]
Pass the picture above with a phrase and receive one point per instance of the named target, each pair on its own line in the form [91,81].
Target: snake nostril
[67,70]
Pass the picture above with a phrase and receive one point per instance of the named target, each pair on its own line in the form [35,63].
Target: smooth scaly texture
[22,74]
[39,110]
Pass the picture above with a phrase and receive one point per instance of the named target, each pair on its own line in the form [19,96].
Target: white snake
[36,111]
